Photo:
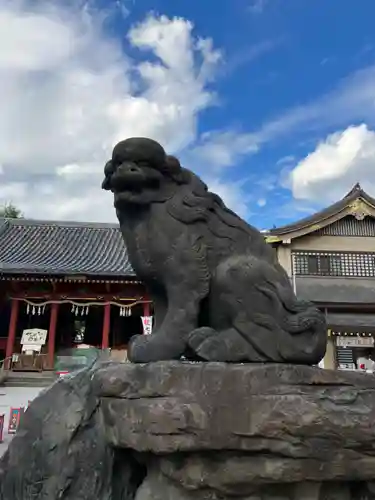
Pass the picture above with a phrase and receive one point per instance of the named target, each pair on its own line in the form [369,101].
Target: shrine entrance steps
[28,379]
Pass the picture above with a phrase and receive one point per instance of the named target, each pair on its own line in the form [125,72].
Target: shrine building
[72,280]
[330,259]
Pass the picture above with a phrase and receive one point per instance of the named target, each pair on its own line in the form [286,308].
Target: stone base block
[247,431]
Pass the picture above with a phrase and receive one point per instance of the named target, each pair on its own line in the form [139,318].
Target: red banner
[14,419]
[2,417]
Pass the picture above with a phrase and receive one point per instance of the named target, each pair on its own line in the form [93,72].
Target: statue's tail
[301,328]
[290,330]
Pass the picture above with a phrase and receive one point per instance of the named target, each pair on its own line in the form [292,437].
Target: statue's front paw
[148,348]
[200,335]
[206,343]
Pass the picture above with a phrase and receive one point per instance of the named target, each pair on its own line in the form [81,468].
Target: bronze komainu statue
[219,293]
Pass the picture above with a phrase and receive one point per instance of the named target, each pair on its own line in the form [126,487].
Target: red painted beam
[67,296]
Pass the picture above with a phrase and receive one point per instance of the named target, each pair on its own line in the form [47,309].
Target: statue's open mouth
[128,182]
[135,189]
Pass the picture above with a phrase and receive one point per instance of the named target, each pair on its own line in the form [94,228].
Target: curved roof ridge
[356,189]
[355,193]
[58,223]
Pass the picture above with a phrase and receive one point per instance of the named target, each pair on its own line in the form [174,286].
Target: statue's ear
[108,168]
[108,171]
[173,166]
[175,171]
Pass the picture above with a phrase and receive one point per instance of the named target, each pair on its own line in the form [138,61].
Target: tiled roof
[62,248]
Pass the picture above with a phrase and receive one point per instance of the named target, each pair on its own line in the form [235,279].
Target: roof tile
[46,247]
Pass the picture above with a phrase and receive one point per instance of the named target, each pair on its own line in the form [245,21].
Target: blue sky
[279,101]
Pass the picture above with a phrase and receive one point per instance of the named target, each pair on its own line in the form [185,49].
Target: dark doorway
[93,335]
[79,325]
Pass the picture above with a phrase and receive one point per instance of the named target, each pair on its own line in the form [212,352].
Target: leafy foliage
[10,211]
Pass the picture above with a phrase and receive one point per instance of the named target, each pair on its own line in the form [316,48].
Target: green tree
[10,211]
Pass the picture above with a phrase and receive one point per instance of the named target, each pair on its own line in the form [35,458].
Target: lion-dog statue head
[140,172]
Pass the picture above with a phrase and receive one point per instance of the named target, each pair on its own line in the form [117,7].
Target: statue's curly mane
[193,202]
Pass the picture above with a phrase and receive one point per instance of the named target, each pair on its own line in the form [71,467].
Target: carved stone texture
[270,431]
[219,293]
[60,451]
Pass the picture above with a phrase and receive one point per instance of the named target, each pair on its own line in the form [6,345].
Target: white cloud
[286,160]
[261,202]
[122,7]
[351,101]
[232,195]
[338,162]
[293,210]
[69,93]
[249,54]
[223,149]
[257,6]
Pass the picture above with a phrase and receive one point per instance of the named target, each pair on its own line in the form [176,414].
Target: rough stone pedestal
[196,431]
[250,432]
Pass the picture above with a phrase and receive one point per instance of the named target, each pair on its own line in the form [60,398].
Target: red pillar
[52,334]
[146,309]
[106,326]
[12,329]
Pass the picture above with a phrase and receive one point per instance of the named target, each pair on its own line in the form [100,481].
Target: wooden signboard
[355,341]
[14,419]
